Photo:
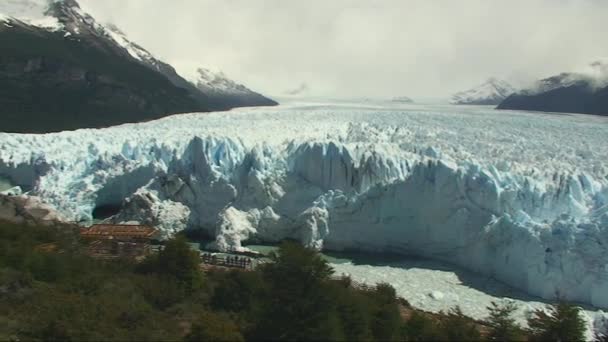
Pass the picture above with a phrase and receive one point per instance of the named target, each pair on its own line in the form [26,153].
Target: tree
[386,322]
[176,260]
[502,325]
[298,304]
[214,327]
[55,331]
[353,308]
[421,328]
[563,322]
[237,291]
[458,327]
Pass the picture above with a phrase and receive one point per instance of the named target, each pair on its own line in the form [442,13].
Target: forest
[51,291]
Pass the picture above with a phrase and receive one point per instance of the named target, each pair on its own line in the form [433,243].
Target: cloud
[418,48]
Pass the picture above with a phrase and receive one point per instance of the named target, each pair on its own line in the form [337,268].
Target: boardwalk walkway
[231,261]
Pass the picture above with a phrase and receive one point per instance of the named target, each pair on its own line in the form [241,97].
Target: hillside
[61,70]
[585,93]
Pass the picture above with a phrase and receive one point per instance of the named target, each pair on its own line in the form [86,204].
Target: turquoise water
[338,257]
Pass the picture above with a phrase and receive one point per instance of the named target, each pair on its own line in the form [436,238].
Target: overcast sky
[425,48]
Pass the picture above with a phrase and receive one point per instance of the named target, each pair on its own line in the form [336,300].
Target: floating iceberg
[516,196]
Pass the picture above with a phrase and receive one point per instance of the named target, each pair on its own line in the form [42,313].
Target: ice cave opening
[104,211]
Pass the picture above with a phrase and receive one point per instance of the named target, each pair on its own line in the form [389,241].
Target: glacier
[516,196]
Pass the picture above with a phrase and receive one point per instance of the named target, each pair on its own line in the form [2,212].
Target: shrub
[563,322]
[419,327]
[214,327]
[502,325]
[176,260]
[457,327]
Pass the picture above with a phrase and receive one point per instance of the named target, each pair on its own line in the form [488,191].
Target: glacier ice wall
[519,197]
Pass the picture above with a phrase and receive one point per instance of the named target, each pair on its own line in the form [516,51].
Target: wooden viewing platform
[109,241]
[118,232]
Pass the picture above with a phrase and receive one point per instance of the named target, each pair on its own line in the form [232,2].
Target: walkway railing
[227,261]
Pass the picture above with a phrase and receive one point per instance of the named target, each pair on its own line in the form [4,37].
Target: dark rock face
[579,97]
[79,77]
[583,92]
[62,84]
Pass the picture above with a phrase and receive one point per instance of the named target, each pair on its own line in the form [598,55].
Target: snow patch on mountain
[491,92]
[212,81]
[32,12]
[594,75]
[497,194]
[133,49]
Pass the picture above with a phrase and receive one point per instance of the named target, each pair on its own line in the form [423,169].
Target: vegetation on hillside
[50,291]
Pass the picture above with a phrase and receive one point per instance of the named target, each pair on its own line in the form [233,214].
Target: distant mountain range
[582,92]
[61,70]
[402,99]
[491,92]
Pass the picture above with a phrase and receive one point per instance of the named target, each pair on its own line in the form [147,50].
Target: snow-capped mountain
[32,12]
[513,203]
[222,89]
[491,92]
[79,73]
[585,91]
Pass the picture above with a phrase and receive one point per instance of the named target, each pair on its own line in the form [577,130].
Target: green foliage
[55,331]
[301,267]
[458,327]
[298,305]
[563,322]
[238,291]
[502,325]
[353,310]
[64,295]
[419,327]
[386,322]
[214,327]
[179,261]
[161,291]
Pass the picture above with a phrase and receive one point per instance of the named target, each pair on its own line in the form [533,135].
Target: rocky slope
[491,92]
[23,209]
[585,92]
[61,70]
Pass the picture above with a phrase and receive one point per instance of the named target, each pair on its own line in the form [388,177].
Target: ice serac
[483,192]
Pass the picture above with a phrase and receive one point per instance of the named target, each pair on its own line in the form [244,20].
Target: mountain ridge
[491,92]
[584,92]
[64,71]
